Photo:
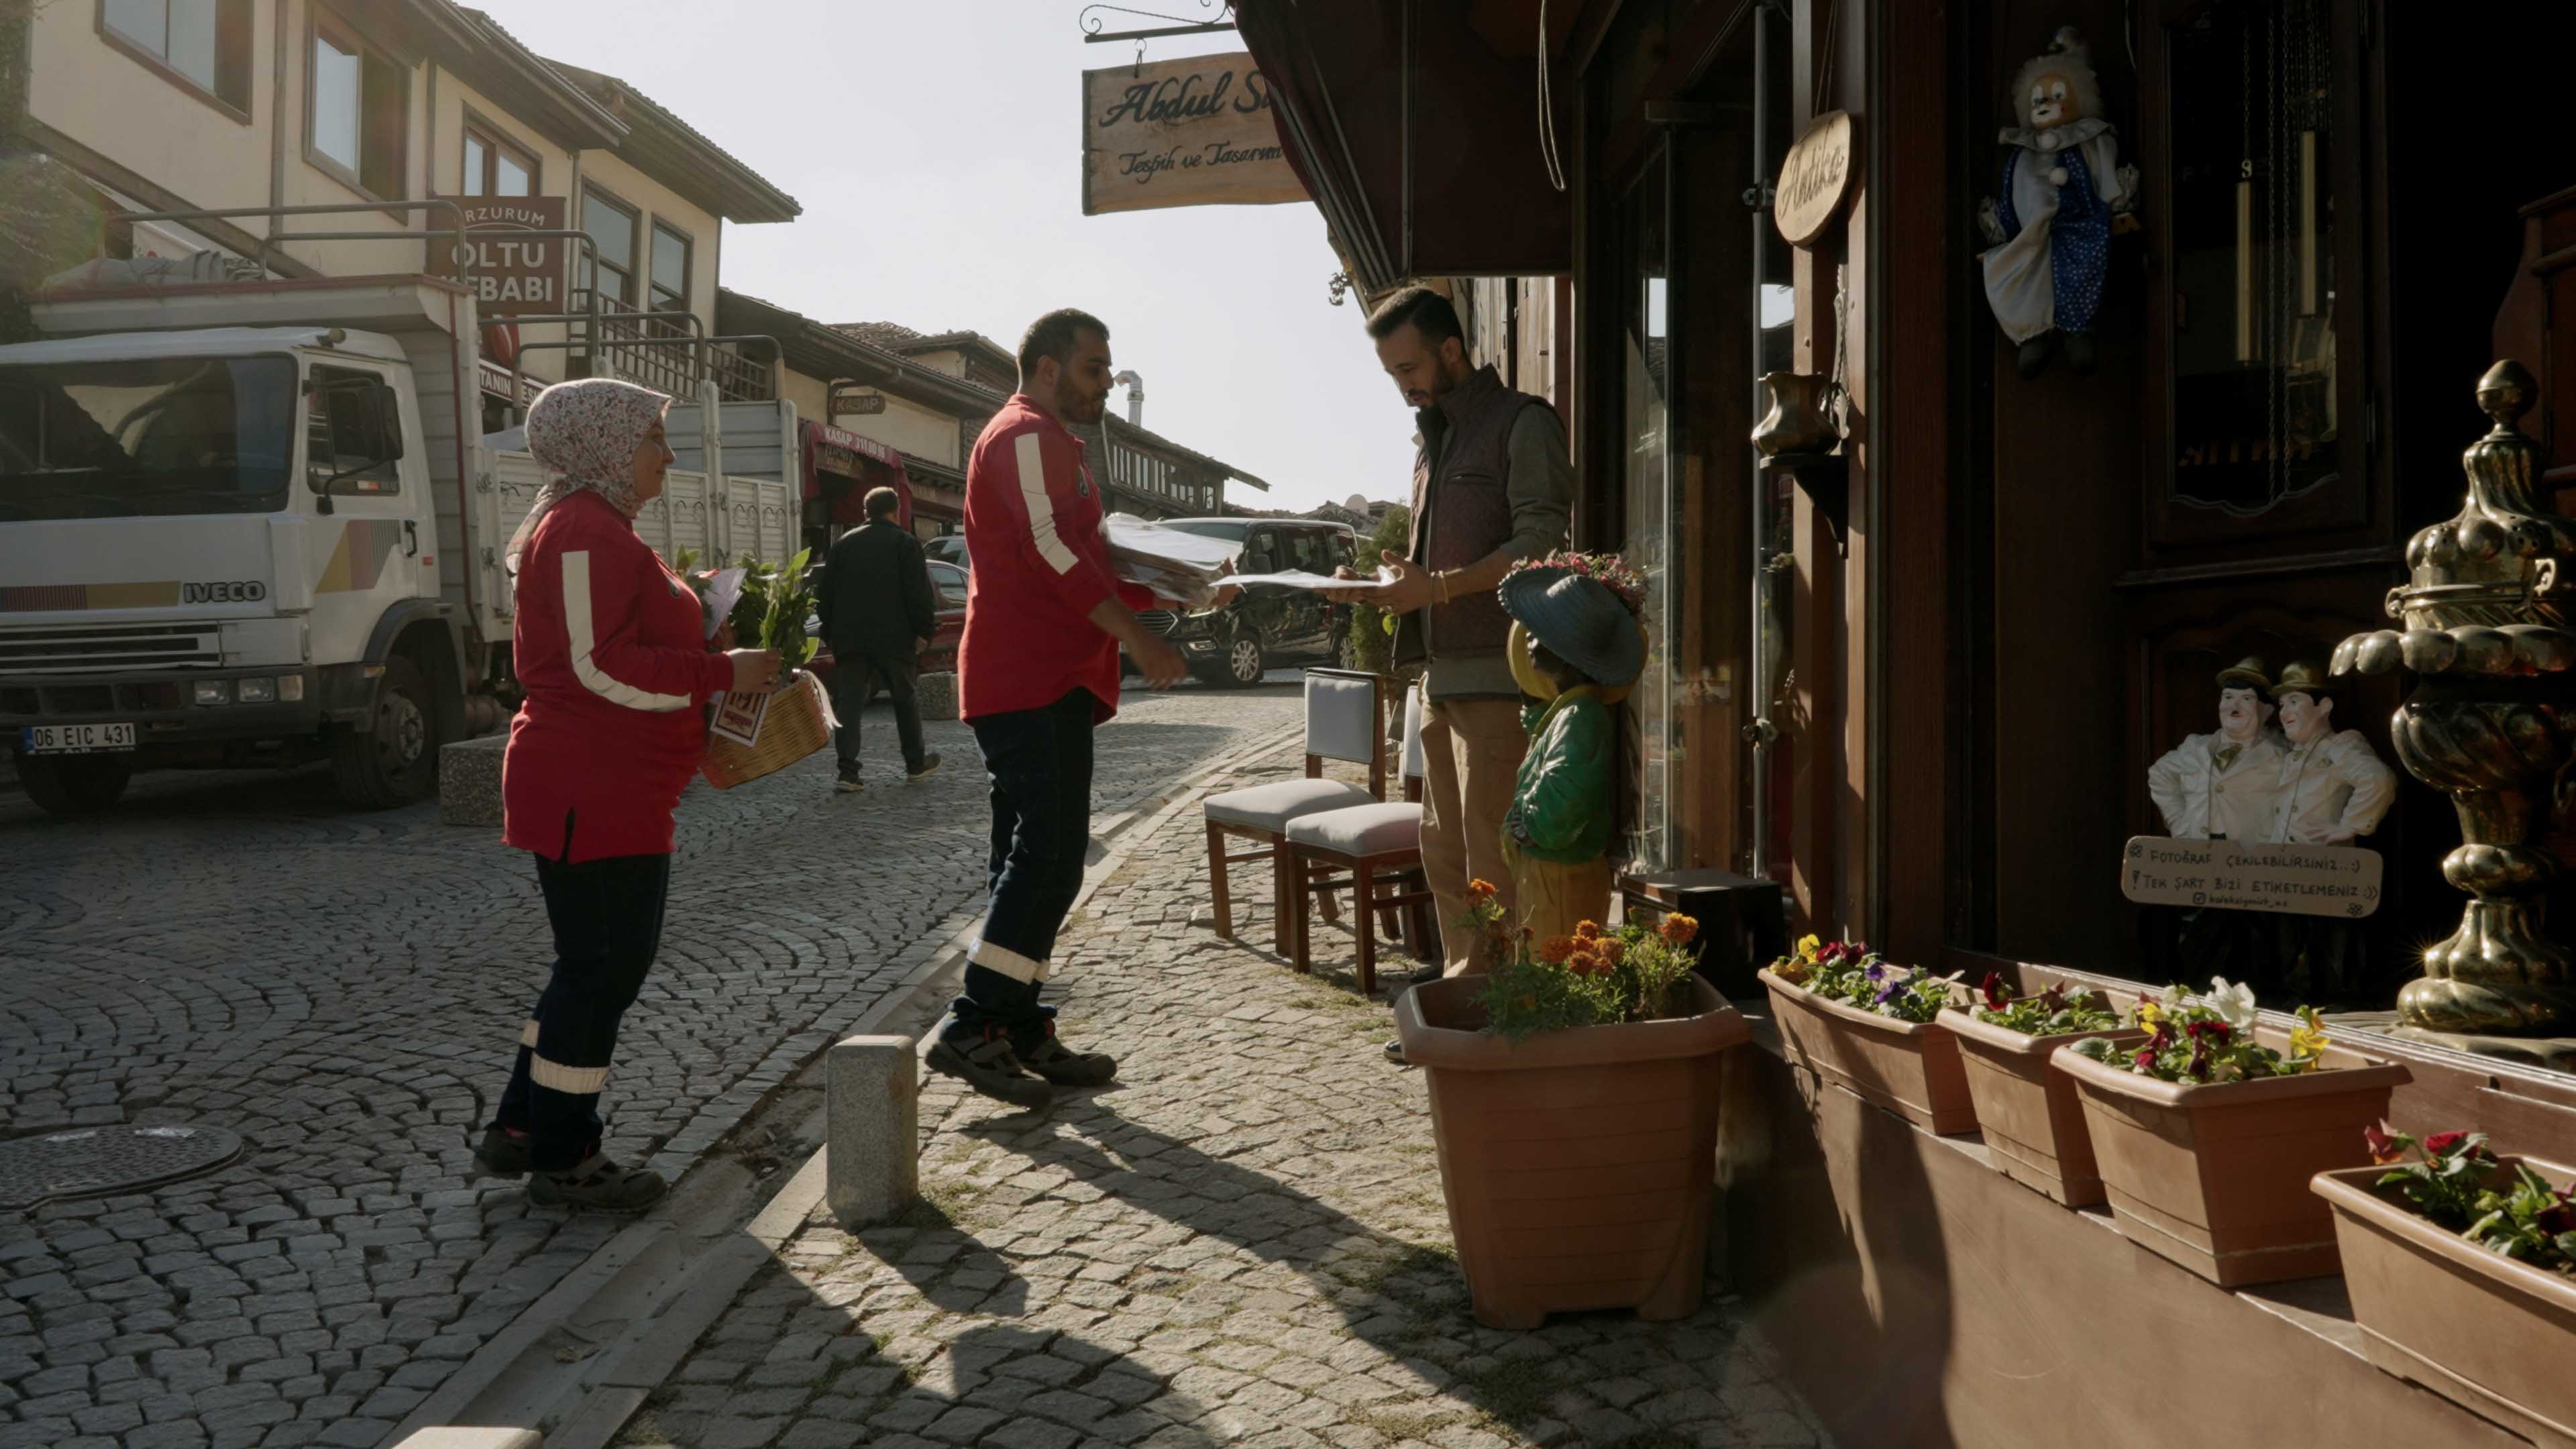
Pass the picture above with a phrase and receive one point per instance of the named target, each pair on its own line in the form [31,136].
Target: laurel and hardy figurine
[2064,193]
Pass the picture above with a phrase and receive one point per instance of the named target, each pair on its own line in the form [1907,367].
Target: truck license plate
[76,739]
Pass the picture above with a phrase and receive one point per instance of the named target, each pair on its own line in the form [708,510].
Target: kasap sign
[1193,132]
[512,277]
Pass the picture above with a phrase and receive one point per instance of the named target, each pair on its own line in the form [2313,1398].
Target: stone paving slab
[344,990]
[1243,1243]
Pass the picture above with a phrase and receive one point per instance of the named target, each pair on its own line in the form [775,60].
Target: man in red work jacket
[1036,672]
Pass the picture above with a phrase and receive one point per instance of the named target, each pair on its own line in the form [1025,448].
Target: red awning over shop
[864,462]
[1415,127]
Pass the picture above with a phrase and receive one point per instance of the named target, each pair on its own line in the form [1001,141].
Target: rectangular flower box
[1578,1165]
[1911,1069]
[2215,1176]
[2486,1332]
[2032,1119]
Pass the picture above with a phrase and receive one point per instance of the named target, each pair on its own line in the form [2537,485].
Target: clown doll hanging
[2064,194]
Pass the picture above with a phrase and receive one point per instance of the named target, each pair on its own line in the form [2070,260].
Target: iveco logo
[249,591]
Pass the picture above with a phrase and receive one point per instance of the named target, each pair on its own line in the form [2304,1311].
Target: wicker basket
[794,723]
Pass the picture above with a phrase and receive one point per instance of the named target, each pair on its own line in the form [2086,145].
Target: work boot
[928,767]
[848,784]
[1041,1053]
[990,1066]
[501,1153]
[598,1185]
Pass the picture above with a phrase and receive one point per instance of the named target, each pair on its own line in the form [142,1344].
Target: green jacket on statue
[1561,803]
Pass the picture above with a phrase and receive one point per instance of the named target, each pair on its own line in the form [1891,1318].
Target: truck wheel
[396,763]
[74,784]
[1244,662]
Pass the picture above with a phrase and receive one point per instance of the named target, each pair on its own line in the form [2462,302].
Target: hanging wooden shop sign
[1816,178]
[1192,132]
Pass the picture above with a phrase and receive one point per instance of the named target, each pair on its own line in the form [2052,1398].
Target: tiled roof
[892,336]
[773,203]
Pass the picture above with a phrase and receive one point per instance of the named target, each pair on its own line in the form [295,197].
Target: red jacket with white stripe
[611,651]
[1041,565]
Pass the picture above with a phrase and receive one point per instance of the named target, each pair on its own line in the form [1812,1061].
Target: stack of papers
[1188,567]
[1183,567]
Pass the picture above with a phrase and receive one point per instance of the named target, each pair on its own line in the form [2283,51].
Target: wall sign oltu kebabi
[1193,132]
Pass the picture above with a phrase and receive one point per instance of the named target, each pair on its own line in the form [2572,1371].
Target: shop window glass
[1646,496]
[2254,397]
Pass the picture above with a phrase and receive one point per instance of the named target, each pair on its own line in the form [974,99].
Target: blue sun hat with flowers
[1584,608]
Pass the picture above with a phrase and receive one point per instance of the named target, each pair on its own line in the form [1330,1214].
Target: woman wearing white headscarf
[610,650]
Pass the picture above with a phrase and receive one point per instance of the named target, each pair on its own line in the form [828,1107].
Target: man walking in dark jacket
[877,615]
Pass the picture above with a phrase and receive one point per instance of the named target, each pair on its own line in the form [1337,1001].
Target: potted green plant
[2462,1270]
[2207,1131]
[1574,1104]
[2027,1109]
[1867,1024]
[752,735]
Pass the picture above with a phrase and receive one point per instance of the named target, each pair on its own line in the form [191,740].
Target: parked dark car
[1270,626]
[948,583]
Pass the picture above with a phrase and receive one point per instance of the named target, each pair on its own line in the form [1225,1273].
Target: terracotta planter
[2474,1326]
[2028,1110]
[1577,1164]
[1912,1070]
[2216,1177]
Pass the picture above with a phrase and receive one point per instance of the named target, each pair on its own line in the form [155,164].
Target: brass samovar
[2486,617]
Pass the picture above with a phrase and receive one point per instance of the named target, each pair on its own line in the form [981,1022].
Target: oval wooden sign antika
[1815,178]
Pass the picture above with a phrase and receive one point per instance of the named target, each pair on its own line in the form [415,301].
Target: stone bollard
[937,696]
[469,781]
[873,1137]
[474,1439]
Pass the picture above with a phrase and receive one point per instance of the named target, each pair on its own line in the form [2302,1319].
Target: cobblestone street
[344,991]
[1243,1242]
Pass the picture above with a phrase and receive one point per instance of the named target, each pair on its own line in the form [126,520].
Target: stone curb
[616,1383]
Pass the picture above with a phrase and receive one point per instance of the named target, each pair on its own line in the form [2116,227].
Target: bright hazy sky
[936,147]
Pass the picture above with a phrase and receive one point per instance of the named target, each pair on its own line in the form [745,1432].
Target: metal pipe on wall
[1758,683]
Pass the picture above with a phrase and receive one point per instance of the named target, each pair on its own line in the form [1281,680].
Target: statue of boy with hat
[1576,646]
[2224,785]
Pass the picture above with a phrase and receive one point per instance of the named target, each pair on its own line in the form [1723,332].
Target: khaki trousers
[1471,761]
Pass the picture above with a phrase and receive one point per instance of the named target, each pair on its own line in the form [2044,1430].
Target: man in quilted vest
[1492,485]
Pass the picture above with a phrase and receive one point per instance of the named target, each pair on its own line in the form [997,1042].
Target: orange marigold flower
[1555,949]
[1587,931]
[1680,929]
[1613,950]
[1482,890]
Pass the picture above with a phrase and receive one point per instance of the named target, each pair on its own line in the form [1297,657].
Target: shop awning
[841,453]
[1415,126]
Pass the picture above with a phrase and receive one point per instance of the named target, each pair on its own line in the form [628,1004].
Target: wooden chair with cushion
[1345,720]
[1361,848]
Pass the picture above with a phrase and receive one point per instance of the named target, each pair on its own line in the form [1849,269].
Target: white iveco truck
[256,524]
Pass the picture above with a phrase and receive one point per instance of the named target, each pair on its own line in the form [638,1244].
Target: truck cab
[199,531]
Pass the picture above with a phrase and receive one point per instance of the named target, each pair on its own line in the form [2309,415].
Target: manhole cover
[95,1160]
